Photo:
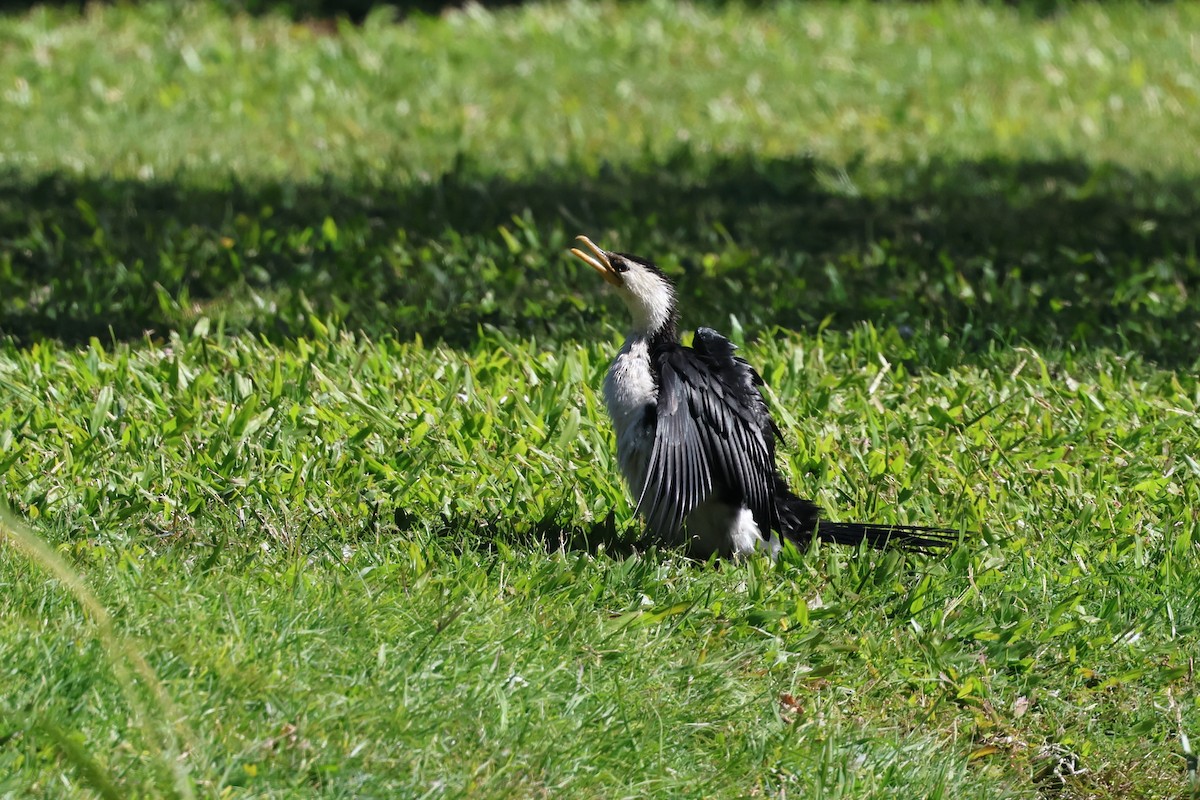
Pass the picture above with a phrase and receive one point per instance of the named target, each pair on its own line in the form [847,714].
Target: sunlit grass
[163,729]
[124,88]
[295,545]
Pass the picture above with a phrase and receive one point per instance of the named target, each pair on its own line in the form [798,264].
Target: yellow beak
[597,259]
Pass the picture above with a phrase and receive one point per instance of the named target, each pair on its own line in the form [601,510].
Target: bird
[696,440]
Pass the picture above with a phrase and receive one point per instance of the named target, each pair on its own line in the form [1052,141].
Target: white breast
[629,388]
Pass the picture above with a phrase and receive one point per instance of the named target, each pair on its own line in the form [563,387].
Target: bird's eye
[620,265]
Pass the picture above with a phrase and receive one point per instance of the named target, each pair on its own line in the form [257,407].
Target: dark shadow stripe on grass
[1045,252]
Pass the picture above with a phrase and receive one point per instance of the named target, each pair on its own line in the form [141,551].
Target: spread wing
[713,436]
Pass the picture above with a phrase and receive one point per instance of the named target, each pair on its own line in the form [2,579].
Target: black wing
[736,371]
[713,435]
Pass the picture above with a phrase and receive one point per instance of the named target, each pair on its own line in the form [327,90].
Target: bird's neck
[664,335]
[654,313]
[655,320]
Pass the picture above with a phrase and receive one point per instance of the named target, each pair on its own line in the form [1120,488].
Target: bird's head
[647,292]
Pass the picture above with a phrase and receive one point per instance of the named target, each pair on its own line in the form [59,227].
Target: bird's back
[695,441]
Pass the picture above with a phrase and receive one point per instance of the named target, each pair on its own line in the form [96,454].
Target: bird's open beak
[597,260]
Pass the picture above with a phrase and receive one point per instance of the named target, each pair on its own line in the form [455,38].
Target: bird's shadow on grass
[986,251]
[554,532]
[597,537]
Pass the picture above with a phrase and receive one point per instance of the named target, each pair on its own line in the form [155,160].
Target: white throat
[650,301]
[648,317]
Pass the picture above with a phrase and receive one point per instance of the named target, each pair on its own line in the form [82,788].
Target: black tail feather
[799,520]
[913,538]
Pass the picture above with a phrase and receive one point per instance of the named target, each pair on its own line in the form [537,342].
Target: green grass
[297,378]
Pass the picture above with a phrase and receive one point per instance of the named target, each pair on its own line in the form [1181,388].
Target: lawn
[301,392]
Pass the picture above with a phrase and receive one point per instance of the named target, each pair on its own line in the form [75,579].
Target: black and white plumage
[695,439]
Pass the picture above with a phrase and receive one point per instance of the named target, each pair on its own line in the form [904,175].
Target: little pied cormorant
[696,441]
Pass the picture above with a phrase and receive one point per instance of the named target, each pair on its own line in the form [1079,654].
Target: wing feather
[713,434]
[677,476]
